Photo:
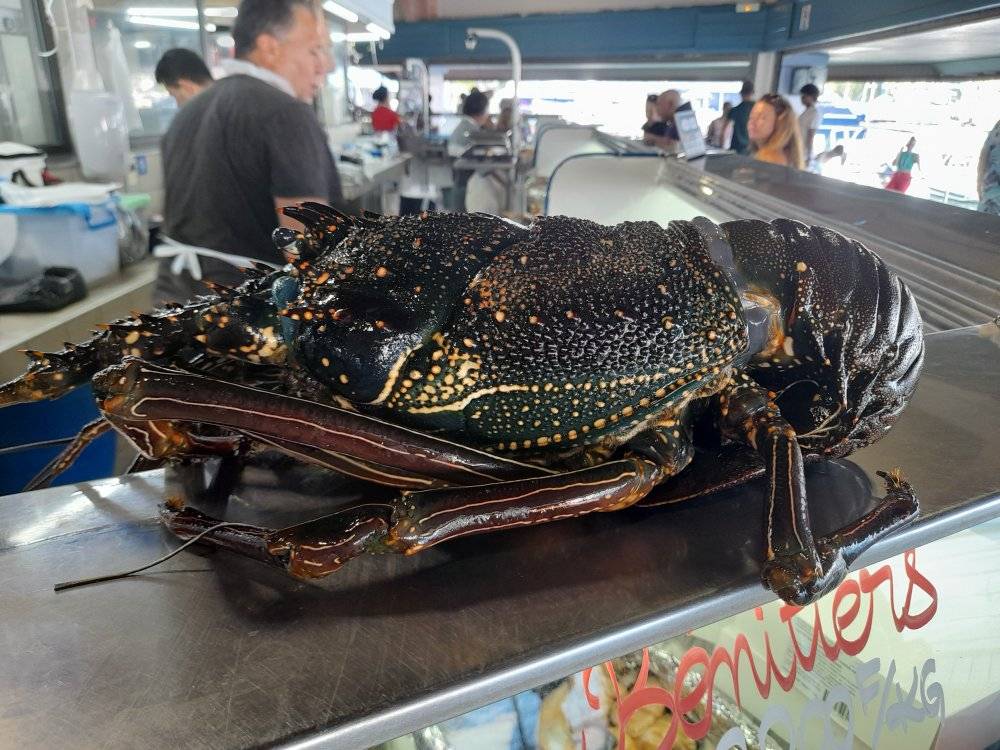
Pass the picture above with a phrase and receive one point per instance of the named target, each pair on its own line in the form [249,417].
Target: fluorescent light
[378,31]
[169,23]
[210,27]
[160,12]
[338,36]
[174,12]
[361,36]
[142,44]
[340,11]
[225,41]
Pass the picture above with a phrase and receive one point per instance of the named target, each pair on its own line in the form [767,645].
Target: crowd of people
[767,128]
[250,143]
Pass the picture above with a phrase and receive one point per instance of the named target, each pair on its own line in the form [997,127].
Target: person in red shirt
[383,118]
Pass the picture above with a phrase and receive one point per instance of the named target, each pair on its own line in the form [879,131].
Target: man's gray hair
[258,17]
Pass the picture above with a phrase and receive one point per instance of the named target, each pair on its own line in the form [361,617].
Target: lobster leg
[792,566]
[417,520]
[90,432]
[245,329]
[798,567]
[897,509]
[137,391]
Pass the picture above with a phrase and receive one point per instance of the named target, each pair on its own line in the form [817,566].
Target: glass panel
[904,655]
[361,84]
[873,120]
[617,107]
[129,39]
[221,47]
[332,99]
[27,100]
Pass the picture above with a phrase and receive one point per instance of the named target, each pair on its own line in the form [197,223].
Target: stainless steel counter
[949,256]
[110,299]
[215,651]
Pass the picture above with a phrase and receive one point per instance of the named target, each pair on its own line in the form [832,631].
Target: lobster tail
[849,348]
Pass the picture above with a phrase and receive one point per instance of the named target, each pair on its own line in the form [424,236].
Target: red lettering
[850,587]
[647,696]
[806,660]
[686,703]
[914,576]
[592,700]
[904,620]
[846,605]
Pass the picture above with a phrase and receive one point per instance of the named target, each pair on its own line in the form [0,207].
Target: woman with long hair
[774,132]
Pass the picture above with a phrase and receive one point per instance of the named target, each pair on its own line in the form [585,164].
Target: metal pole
[425,86]
[515,59]
[202,32]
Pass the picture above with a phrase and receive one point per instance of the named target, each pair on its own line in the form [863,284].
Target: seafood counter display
[497,376]
[217,650]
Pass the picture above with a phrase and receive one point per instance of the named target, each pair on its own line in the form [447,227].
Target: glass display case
[28,81]
[218,650]
[222,650]
[902,656]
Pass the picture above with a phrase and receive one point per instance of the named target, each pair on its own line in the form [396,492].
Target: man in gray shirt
[248,146]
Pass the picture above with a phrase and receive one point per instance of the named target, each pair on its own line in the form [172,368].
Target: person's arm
[808,145]
[895,162]
[280,203]
[299,157]
[458,142]
[916,161]
[664,142]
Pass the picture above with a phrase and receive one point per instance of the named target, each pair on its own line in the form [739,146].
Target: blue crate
[46,420]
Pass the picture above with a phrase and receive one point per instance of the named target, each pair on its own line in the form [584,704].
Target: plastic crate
[78,235]
[48,420]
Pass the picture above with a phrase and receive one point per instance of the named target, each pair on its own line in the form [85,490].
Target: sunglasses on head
[777,101]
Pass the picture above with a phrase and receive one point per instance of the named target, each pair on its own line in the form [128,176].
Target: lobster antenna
[115,576]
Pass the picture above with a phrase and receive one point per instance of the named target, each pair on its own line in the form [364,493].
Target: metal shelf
[218,651]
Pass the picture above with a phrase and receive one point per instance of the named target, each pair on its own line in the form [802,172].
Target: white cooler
[79,235]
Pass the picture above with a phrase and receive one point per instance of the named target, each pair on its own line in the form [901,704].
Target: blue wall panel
[779,25]
[45,420]
[835,19]
[667,33]
[586,36]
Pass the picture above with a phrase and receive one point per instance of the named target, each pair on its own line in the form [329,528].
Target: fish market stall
[220,651]
[216,650]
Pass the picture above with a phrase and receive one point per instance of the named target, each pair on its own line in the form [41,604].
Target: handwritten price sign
[851,609]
